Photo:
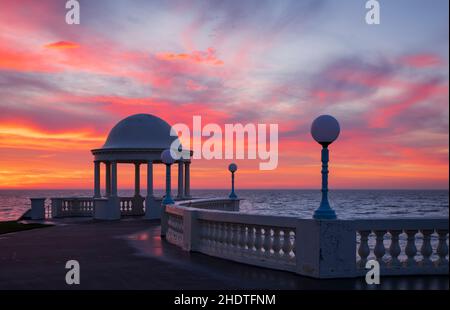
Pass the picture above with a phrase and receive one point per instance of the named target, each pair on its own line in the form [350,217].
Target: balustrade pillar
[411,249]
[287,247]
[379,250]
[394,248]
[442,248]
[276,246]
[426,249]
[364,249]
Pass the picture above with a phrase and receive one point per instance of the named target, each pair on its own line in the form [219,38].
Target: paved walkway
[129,254]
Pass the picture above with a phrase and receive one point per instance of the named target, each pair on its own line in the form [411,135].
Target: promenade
[129,254]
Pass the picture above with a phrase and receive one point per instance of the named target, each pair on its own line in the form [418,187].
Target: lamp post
[325,129]
[168,160]
[232,168]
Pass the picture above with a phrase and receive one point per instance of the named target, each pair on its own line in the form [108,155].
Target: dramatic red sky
[63,87]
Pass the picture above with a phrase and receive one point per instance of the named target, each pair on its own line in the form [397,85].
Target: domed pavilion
[139,140]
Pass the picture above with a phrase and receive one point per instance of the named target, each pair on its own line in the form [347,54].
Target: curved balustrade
[324,249]
[253,239]
[212,204]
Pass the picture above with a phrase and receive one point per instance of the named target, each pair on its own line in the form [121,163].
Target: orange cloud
[22,137]
[62,45]
[207,57]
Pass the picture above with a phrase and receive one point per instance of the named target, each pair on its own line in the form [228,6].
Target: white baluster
[221,237]
[379,249]
[250,240]
[243,239]
[258,240]
[214,236]
[235,237]
[210,235]
[364,249]
[411,249]
[293,248]
[286,248]
[394,249]
[227,237]
[267,242]
[276,245]
[442,249]
[426,250]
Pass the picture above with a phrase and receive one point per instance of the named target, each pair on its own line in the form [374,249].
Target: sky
[63,87]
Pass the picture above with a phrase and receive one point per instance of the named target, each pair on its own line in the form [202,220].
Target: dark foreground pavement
[129,254]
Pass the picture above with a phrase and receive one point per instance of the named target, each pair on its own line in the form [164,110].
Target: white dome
[140,131]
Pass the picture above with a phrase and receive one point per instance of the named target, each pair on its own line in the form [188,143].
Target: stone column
[187,180]
[108,178]
[152,208]
[149,179]
[137,180]
[114,179]
[96,179]
[180,180]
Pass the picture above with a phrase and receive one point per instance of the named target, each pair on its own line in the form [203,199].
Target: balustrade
[401,246]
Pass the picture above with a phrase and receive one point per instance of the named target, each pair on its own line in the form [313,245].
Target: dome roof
[140,131]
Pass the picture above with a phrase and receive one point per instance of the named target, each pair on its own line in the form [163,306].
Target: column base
[324,214]
[152,209]
[107,209]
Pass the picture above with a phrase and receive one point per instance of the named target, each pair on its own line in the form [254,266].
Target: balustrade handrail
[235,217]
[399,223]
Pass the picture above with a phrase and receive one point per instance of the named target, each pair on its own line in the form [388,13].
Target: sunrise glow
[63,87]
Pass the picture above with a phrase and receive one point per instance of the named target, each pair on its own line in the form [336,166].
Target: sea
[348,204]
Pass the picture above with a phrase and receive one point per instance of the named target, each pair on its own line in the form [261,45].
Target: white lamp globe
[325,129]
[232,167]
[167,158]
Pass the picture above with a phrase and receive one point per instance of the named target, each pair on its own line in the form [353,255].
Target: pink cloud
[422,61]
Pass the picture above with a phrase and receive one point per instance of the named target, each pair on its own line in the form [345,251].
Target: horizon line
[256,189]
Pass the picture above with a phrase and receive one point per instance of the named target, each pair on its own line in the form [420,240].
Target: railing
[404,246]
[84,206]
[323,249]
[132,206]
[261,240]
[48,209]
[72,207]
[212,204]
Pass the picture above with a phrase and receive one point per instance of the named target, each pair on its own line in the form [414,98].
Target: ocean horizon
[348,203]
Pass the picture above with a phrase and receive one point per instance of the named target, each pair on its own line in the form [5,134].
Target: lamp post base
[324,214]
[167,201]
